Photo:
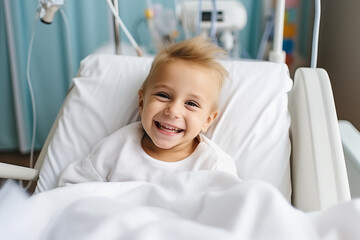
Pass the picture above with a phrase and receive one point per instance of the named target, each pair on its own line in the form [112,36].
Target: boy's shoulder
[212,148]
[134,127]
[217,156]
[131,132]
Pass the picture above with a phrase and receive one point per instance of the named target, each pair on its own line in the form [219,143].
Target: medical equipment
[46,12]
[46,17]
[48,9]
[231,17]
[277,54]
[33,104]
[315,40]
[319,178]
[162,25]
[350,138]
[123,27]
[268,19]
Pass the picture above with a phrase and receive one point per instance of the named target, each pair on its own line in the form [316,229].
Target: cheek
[197,119]
[150,108]
[141,108]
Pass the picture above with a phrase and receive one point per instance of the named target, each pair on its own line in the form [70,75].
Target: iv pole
[116,29]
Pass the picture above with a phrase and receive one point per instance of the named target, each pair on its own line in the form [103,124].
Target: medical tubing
[315,39]
[184,27]
[123,27]
[213,22]
[32,96]
[269,26]
[67,26]
[198,31]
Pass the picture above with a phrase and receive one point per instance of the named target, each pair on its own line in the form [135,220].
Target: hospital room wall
[339,54]
[52,65]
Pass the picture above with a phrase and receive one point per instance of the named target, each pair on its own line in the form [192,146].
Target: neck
[173,154]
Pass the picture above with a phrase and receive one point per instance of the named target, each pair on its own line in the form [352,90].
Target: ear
[141,101]
[209,120]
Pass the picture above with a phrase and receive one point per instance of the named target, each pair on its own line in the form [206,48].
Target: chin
[164,146]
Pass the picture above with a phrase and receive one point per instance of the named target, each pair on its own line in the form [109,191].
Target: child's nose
[173,110]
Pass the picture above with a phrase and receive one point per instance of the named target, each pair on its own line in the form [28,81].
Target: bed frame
[319,177]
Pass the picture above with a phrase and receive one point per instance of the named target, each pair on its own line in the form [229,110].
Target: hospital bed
[350,138]
[280,131]
[256,114]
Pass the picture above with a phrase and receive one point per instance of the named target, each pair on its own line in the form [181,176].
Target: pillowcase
[252,126]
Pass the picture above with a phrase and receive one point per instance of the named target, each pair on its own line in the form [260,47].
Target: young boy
[177,101]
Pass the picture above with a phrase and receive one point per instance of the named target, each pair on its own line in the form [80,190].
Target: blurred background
[339,54]
[83,27]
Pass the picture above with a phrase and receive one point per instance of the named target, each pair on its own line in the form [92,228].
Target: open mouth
[168,128]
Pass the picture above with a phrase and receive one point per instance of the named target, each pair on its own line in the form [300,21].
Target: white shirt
[120,157]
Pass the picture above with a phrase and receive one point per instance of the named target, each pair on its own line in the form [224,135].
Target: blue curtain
[250,36]
[52,66]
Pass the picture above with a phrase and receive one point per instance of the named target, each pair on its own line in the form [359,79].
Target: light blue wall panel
[8,137]
[50,68]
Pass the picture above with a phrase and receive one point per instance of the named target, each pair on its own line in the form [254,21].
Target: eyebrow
[161,86]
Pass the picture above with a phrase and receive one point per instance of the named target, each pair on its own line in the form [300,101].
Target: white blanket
[193,205]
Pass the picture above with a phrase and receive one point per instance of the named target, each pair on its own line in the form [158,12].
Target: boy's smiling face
[177,104]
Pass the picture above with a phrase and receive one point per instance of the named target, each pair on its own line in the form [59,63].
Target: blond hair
[198,50]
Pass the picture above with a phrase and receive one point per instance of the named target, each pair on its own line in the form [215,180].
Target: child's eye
[192,104]
[162,95]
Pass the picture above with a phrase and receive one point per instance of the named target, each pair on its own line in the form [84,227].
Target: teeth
[168,128]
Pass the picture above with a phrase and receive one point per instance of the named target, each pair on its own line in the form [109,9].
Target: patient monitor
[195,17]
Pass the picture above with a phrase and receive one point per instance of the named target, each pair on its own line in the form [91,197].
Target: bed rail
[10,171]
[277,54]
[319,176]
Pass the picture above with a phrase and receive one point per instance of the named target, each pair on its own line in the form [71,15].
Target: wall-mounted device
[48,8]
[231,17]
[231,14]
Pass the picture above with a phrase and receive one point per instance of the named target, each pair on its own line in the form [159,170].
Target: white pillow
[253,123]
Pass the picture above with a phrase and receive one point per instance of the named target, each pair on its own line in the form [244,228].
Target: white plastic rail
[277,54]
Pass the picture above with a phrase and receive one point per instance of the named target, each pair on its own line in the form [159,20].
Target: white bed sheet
[192,205]
[253,123]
